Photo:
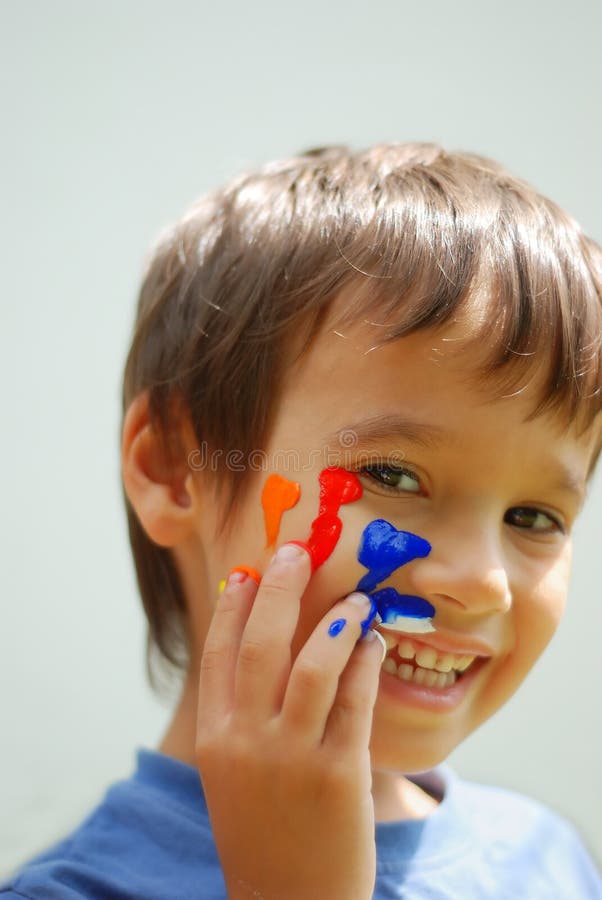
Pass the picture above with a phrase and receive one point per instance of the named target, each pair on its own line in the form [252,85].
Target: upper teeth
[428,657]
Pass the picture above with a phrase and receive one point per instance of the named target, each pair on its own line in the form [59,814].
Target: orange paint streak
[278,495]
[252,573]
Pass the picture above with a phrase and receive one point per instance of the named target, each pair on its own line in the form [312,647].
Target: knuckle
[338,779]
[228,604]
[252,652]
[204,750]
[348,706]
[216,744]
[207,747]
[232,752]
[211,658]
[310,675]
[273,586]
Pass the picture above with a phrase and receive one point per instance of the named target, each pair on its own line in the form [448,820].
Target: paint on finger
[248,570]
[336,627]
[370,618]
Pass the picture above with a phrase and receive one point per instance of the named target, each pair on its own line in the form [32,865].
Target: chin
[410,753]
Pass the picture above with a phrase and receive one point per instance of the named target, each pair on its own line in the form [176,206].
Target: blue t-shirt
[151,839]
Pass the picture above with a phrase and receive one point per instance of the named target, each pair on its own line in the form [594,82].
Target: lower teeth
[418,675]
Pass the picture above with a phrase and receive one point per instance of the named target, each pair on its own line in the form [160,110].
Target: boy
[386,367]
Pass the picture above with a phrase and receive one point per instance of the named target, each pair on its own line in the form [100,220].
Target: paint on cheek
[382,550]
[403,612]
[337,486]
[278,495]
[336,627]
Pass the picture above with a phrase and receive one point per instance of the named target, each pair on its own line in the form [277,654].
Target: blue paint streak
[391,604]
[383,549]
[372,614]
[336,627]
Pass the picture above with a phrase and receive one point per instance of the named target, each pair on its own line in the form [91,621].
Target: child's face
[493,494]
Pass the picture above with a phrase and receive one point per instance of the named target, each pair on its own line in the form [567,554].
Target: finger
[220,653]
[350,720]
[314,679]
[264,659]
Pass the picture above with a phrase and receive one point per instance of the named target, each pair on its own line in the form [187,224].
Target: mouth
[421,664]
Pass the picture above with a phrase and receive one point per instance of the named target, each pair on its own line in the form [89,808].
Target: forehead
[482,335]
[433,379]
[363,354]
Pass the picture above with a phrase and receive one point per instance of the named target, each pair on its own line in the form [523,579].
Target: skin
[278,716]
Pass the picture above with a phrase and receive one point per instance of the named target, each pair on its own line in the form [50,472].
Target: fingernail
[236,577]
[359,599]
[373,635]
[246,572]
[307,549]
[288,553]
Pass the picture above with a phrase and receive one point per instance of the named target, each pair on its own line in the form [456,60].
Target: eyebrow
[382,427]
[387,426]
[566,480]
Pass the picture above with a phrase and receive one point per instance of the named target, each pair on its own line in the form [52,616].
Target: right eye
[394,478]
[532,519]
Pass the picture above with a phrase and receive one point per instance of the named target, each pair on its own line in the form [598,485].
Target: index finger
[222,644]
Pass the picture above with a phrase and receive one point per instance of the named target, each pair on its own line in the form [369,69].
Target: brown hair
[250,268]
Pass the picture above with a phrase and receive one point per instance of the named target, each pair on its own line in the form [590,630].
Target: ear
[162,492]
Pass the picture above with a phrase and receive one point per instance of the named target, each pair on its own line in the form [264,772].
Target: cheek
[332,581]
[314,511]
[276,510]
[538,610]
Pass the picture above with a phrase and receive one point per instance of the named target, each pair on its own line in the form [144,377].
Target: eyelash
[531,512]
[534,512]
[373,471]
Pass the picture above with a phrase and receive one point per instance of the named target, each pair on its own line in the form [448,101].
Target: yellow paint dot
[221,585]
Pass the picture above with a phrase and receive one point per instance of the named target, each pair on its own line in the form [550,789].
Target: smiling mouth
[423,665]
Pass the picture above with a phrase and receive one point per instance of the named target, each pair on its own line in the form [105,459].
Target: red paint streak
[278,495]
[337,486]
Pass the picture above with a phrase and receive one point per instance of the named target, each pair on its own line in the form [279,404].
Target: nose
[466,569]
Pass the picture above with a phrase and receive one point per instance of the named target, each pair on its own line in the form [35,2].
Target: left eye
[394,478]
[532,520]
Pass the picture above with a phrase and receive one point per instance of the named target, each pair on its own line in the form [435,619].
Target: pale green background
[114,117]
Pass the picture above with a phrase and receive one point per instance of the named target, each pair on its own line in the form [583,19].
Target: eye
[394,478]
[533,519]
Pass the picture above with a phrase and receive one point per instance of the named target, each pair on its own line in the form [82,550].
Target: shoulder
[149,837]
[505,814]
[542,846]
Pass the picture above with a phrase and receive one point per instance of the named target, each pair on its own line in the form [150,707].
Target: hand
[282,747]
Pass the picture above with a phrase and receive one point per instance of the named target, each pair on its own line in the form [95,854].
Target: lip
[444,642]
[438,700]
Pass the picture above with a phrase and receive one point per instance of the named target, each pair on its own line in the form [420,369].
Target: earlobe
[161,491]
